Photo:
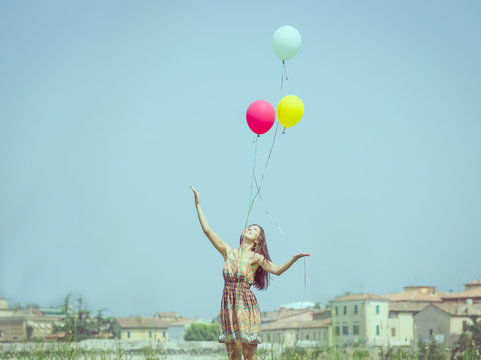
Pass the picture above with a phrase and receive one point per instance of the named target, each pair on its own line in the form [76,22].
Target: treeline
[78,324]
[202,332]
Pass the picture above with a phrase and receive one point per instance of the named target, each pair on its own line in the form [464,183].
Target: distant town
[402,319]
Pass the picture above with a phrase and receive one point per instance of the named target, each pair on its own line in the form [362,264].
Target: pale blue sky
[109,110]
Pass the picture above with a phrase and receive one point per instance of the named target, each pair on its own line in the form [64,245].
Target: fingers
[195,191]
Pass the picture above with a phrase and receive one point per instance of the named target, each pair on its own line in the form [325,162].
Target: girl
[240,319]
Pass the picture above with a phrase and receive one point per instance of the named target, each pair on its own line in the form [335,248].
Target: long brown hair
[261,277]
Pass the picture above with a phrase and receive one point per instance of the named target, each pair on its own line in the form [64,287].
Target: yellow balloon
[290,110]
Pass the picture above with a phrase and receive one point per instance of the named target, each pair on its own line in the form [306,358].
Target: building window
[128,334]
[393,332]
[344,310]
[163,334]
[150,334]
[345,329]
[337,330]
[355,329]
[337,310]
[378,330]
[355,309]
[377,309]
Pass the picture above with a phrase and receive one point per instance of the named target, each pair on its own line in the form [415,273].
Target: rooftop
[296,324]
[167,315]
[460,309]
[407,306]
[299,305]
[415,296]
[141,322]
[286,313]
[474,292]
[354,297]
[475,283]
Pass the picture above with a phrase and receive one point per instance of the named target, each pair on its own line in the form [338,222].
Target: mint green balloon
[286,42]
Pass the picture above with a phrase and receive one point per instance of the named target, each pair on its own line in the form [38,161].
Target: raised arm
[221,246]
[277,269]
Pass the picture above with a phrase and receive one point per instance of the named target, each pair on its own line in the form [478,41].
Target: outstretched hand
[301,255]
[196,195]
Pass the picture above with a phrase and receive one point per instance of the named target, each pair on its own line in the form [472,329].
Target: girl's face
[252,232]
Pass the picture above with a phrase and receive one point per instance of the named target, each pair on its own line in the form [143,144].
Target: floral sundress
[240,318]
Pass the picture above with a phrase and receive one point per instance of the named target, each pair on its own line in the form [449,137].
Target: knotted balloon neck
[284,73]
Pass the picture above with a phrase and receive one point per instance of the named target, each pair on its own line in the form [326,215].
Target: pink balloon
[260,116]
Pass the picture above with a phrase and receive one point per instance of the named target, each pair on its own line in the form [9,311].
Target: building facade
[29,326]
[444,322]
[139,328]
[360,319]
[288,327]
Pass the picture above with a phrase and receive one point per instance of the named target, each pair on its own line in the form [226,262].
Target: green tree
[202,332]
[468,345]
[78,324]
[431,350]
[29,331]
[103,324]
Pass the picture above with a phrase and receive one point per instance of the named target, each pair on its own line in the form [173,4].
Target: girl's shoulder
[258,258]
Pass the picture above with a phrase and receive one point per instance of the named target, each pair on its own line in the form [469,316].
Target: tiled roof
[474,283]
[286,313]
[31,317]
[354,297]
[414,296]
[140,322]
[168,315]
[467,294]
[317,324]
[294,324]
[321,314]
[37,312]
[27,311]
[456,309]
[180,322]
[407,306]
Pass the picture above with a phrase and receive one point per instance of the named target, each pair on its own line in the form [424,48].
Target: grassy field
[153,351]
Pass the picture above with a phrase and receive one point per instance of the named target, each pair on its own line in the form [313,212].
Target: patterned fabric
[240,318]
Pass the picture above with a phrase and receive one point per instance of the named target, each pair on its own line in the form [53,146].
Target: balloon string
[276,223]
[258,193]
[302,303]
[238,270]
[284,73]
[265,167]
[292,244]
